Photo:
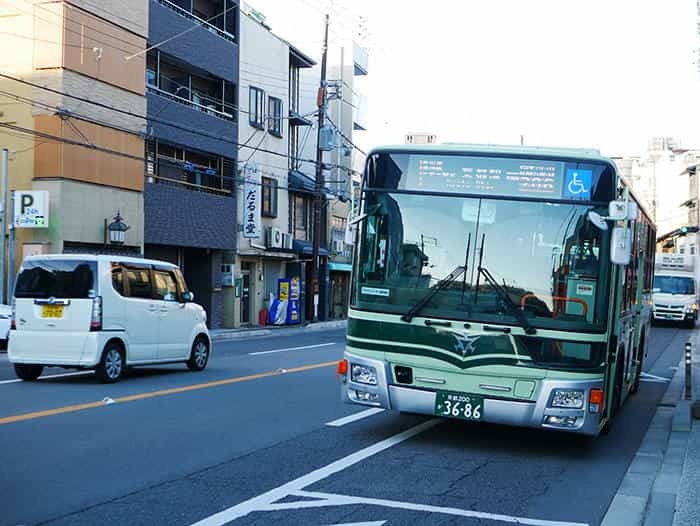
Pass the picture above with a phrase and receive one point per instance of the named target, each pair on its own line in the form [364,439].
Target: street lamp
[117,230]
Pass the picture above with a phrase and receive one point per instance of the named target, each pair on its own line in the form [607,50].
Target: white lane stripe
[292,348]
[261,501]
[356,416]
[662,378]
[332,499]
[78,373]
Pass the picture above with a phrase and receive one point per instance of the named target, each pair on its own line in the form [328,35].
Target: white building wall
[264,63]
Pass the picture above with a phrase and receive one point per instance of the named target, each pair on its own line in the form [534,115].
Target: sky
[596,73]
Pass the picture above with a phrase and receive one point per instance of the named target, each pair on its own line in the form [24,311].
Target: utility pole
[318,190]
[3,222]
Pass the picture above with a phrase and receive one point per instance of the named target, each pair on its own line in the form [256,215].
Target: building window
[300,213]
[256,108]
[195,170]
[339,223]
[269,197]
[171,78]
[274,116]
[219,16]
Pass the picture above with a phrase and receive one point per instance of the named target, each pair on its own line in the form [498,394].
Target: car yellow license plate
[52,311]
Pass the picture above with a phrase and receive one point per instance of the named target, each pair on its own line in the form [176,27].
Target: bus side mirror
[620,245]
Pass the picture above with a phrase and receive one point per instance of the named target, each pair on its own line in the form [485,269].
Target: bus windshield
[674,284]
[547,258]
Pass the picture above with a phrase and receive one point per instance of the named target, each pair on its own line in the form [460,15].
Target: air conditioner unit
[273,237]
[287,241]
[338,246]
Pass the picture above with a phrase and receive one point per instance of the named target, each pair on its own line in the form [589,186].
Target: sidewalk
[219,335]
[662,484]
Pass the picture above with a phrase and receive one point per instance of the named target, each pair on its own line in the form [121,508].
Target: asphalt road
[247,440]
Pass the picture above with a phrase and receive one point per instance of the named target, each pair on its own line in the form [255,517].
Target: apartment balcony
[195,126]
[203,44]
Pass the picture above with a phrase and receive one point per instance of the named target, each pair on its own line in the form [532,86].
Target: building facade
[270,128]
[76,108]
[191,143]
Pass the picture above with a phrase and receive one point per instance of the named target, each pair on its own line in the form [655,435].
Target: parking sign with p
[31,209]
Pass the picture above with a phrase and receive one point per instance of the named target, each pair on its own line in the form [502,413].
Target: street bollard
[688,370]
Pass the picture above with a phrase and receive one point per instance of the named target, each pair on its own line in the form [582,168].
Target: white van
[104,313]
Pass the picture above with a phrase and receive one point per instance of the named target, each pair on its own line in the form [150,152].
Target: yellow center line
[162,392]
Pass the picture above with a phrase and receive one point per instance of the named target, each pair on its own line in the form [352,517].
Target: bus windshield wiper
[503,294]
[444,282]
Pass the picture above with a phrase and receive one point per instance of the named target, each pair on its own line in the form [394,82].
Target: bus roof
[590,154]
[586,154]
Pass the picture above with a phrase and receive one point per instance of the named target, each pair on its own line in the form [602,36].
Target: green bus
[509,285]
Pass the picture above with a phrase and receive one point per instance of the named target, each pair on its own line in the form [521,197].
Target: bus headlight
[363,374]
[567,398]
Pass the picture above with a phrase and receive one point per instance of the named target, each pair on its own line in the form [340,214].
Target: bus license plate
[52,311]
[459,405]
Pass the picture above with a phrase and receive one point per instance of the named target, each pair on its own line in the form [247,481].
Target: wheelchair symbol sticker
[578,183]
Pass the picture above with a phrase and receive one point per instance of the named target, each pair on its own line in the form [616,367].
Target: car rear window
[56,278]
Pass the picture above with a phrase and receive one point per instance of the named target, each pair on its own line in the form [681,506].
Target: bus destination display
[485,175]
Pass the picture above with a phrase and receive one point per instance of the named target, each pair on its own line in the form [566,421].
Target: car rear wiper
[503,293]
[451,278]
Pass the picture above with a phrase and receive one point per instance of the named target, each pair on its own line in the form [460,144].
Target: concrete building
[89,157]
[269,125]
[191,142]
[654,175]
[685,239]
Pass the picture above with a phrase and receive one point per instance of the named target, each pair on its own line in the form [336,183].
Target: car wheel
[28,372]
[199,357]
[111,366]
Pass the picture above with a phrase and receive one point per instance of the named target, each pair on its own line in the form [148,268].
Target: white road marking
[332,499]
[652,377]
[47,377]
[373,523]
[292,349]
[261,501]
[354,417]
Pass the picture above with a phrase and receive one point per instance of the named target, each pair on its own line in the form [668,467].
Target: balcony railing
[209,109]
[206,25]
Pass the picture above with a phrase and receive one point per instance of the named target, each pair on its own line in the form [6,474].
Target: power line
[177,35]
[69,30]
[158,121]
[110,151]
[344,137]
[110,125]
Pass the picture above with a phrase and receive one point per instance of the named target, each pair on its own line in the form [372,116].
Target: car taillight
[13,321]
[96,319]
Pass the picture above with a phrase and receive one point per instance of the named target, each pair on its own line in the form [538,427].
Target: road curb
[239,334]
[648,492]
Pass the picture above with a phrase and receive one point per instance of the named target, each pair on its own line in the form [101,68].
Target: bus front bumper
[419,400]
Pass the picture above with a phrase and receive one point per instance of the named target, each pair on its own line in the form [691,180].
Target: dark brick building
[192,95]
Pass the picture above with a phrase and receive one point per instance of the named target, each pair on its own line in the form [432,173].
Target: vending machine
[288,290]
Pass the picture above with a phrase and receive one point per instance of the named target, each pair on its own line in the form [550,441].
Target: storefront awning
[339,267]
[305,248]
[300,181]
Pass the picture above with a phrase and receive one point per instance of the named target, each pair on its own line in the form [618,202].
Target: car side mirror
[621,245]
[188,296]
